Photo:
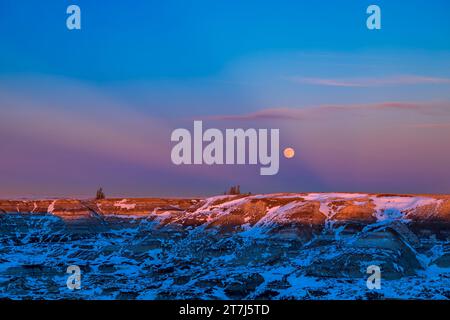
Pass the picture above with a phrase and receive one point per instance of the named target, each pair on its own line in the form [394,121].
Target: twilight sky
[366,111]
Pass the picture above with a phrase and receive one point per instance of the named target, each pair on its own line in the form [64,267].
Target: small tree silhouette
[100,194]
[234,190]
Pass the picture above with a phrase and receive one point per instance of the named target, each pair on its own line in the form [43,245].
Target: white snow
[397,207]
[328,196]
[401,203]
[51,207]
[124,205]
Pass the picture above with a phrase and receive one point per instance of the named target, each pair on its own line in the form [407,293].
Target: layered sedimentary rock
[240,210]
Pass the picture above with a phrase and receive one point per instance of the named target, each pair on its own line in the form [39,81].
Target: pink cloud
[372,82]
[276,113]
[321,110]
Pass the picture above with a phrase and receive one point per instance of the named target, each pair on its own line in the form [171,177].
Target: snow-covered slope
[315,208]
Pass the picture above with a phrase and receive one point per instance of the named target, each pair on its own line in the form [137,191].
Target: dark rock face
[282,246]
[242,286]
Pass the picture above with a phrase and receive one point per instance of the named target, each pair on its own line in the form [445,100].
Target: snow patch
[51,207]
[124,205]
[330,196]
[396,207]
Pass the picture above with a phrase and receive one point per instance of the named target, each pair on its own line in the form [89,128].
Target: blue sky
[188,39]
[152,66]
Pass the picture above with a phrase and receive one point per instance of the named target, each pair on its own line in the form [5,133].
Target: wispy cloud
[317,111]
[372,82]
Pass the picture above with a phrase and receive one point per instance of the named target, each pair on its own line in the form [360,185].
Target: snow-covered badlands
[272,246]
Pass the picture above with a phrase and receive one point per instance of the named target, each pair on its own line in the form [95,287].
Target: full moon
[289,153]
